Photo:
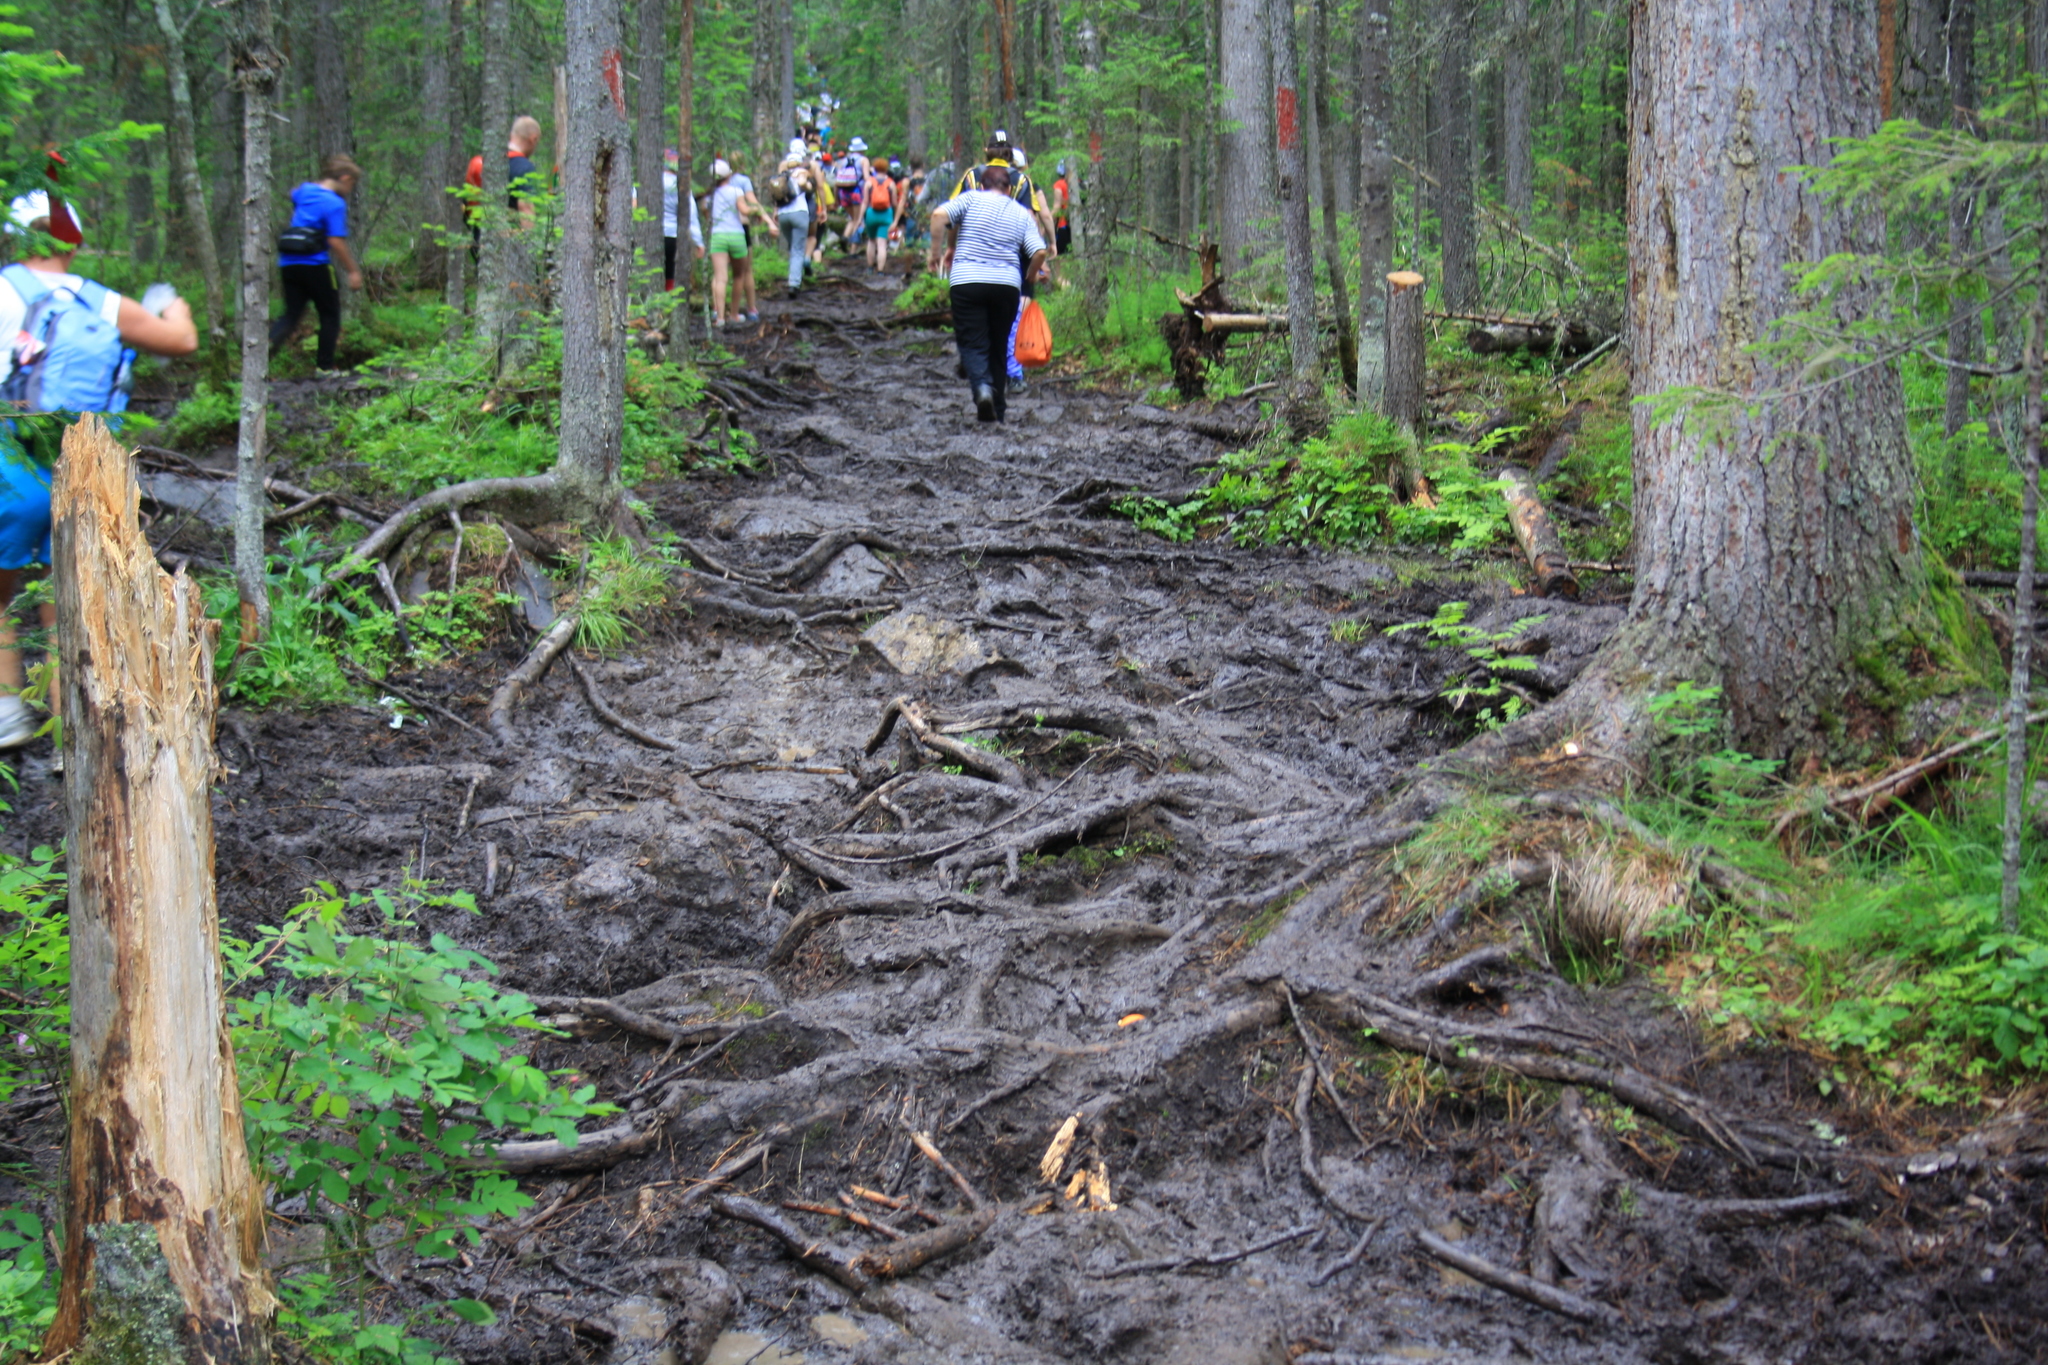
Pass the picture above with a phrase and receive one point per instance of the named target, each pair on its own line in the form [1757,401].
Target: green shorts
[877,221]
[733,244]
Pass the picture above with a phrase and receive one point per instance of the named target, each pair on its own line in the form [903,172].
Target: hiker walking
[71,342]
[883,208]
[318,236]
[732,204]
[850,178]
[1001,152]
[985,234]
[790,190]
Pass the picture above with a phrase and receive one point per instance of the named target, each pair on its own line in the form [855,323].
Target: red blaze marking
[1290,121]
[1095,144]
[615,80]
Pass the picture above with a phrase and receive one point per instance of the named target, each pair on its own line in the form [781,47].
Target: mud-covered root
[1513,1282]
[989,764]
[529,672]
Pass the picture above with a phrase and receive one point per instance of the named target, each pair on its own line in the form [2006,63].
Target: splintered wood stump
[1194,347]
[1406,375]
[164,1220]
[1537,535]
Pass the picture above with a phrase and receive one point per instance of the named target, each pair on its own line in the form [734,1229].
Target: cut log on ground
[164,1220]
[1537,535]
[1501,338]
[1226,323]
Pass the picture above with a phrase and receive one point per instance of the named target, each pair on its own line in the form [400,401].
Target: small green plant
[1498,702]
[212,415]
[1349,632]
[28,1291]
[35,972]
[619,580]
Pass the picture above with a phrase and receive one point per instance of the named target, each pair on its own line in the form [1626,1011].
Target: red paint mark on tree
[615,79]
[1285,105]
[1095,144]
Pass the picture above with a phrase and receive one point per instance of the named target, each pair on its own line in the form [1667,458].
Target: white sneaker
[18,724]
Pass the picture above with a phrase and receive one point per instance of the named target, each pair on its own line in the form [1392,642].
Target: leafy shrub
[211,416]
[28,1291]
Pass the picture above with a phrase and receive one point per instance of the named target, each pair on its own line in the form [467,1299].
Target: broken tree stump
[1406,376]
[1193,349]
[1537,535]
[161,1196]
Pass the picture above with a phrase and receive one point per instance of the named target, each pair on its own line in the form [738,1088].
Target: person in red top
[1062,198]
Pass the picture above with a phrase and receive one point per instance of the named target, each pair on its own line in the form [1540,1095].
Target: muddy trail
[988,825]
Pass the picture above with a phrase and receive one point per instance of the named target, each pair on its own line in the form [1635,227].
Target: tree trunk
[651,102]
[497,247]
[184,140]
[1519,163]
[454,169]
[1454,159]
[767,56]
[1965,314]
[915,140]
[1006,43]
[1808,561]
[333,115]
[597,210]
[257,63]
[1406,356]
[438,113]
[1293,197]
[1245,155]
[686,259]
[2023,605]
[1323,151]
[1375,201]
[786,79]
[960,82]
[163,1230]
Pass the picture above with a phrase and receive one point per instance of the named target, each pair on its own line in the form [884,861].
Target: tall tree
[496,253]
[257,64]
[1244,162]
[184,140]
[1323,140]
[1516,154]
[1293,196]
[437,112]
[1775,545]
[597,198]
[1965,314]
[964,141]
[686,260]
[650,104]
[334,130]
[1375,199]
[163,1216]
[1452,146]
[454,170]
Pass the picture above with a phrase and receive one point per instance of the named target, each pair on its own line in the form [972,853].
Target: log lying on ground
[1226,323]
[1537,535]
[1502,337]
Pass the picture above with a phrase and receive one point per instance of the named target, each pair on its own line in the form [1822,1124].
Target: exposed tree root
[527,674]
[609,715]
[991,765]
[1510,1282]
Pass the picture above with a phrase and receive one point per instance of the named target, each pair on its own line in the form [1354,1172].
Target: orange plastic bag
[1034,337]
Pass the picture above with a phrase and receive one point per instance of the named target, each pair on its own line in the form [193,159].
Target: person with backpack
[1000,152]
[789,190]
[883,205]
[318,235]
[70,343]
[981,237]
[850,179]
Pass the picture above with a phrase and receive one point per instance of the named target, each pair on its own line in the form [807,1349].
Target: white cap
[1017,157]
[36,204]
[720,168]
[859,144]
[796,147]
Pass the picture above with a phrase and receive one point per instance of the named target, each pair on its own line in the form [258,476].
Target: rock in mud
[854,572]
[704,1300]
[918,645]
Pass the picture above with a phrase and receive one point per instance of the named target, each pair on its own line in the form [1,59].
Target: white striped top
[989,230]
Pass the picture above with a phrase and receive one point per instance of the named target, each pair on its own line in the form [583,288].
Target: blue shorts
[24,509]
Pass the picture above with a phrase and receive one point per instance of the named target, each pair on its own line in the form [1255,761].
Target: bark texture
[1518,167]
[496,247]
[1244,166]
[651,101]
[437,111]
[1405,349]
[597,210]
[1774,549]
[1293,195]
[257,63]
[1965,313]
[156,1117]
[1453,148]
[1375,200]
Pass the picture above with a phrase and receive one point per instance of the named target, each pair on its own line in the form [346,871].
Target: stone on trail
[917,645]
[853,572]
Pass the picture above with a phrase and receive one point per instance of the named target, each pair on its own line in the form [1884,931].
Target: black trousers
[314,284]
[668,262]
[982,317]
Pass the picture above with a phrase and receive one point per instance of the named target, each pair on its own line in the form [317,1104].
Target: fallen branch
[1892,783]
[937,1158]
[611,717]
[902,1257]
[827,1260]
[1510,1282]
[594,1007]
[1537,535]
[990,765]
[1170,1263]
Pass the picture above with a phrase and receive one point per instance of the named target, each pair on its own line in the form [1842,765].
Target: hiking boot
[1017,385]
[984,403]
[18,724]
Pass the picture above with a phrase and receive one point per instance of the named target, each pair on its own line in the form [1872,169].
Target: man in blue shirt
[318,236]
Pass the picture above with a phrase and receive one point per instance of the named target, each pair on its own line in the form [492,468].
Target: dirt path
[1065,897]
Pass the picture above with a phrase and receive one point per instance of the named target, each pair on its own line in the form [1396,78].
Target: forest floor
[1123,857]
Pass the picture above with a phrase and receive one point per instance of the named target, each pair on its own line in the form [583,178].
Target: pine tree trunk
[597,211]
[163,1230]
[1375,200]
[333,113]
[184,141]
[1245,155]
[650,103]
[1777,549]
[1453,147]
[1323,152]
[497,247]
[2023,605]
[1293,197]
[686,256]
[767,61]
[1965,325]
[915,140]
[960,83]
[257,63]
[785,80]
[454,169]
[438,114]
[1519,164]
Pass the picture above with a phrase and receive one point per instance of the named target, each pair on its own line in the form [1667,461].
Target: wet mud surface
[1114,857]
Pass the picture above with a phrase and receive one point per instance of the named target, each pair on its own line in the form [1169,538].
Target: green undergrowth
[374,1057]
[1878,949]
[1335,490]
[1969,505]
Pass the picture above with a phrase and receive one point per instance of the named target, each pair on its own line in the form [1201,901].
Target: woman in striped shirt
[987,234]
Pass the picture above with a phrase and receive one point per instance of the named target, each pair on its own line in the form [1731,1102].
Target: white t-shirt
[725,207]
[14,312]
[989,230]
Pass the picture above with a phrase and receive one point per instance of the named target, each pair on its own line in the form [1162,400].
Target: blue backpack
[67,358]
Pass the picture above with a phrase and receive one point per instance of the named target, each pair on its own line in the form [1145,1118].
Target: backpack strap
[25,282]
